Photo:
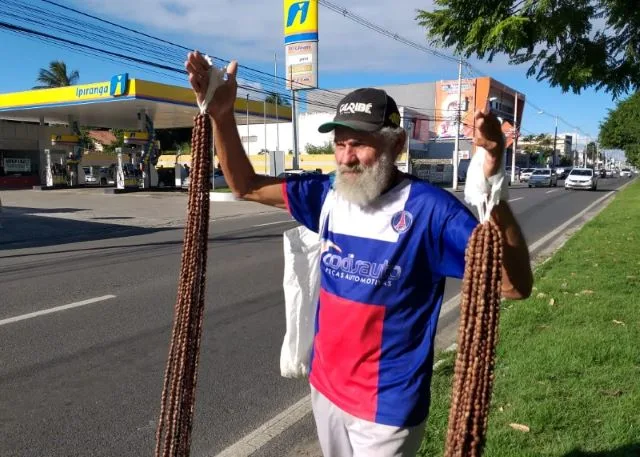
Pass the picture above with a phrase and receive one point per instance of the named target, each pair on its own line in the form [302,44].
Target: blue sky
[251,31]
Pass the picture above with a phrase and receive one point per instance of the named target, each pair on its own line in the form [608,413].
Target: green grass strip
[568,358]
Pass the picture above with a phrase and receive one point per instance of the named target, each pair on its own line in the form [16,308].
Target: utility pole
[555,142]
[456,145]
[248,133]
[265,152]
[294,121]
[275,80]
[515,140]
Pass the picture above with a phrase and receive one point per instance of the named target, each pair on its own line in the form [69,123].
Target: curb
[547,246]
[224,197]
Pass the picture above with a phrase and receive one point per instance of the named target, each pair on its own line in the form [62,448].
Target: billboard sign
[12,165]
[301,43]
[302,65]
[447,106]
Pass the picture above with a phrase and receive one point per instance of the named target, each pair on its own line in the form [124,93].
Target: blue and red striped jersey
[383,277]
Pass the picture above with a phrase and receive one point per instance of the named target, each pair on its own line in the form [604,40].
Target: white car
[217,180]
[543,177]
[525,174]
[626,173]
[581,178]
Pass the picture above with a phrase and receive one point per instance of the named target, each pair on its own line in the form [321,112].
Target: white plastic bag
[301,293]
[301,283]
[481,192]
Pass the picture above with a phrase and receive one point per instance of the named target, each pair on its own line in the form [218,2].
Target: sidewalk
[517,185]
[140,209]
[567,365]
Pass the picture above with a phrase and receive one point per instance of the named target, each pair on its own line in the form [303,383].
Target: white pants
[343,435]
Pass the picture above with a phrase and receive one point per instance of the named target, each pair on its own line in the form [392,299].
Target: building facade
[429,114]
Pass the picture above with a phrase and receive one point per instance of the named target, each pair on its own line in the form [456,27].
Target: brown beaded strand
[173,435]
[477,338]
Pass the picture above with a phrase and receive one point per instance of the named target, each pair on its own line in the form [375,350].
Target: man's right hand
[224,98]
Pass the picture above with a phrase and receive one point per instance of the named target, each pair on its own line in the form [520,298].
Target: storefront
[19,169]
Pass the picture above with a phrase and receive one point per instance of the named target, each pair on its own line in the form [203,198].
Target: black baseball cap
[367,110]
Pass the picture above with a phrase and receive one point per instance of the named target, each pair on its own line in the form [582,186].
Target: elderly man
[391,241]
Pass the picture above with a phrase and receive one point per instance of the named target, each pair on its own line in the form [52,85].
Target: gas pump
[48,169]
[127,173]
[149,148]
[68,172]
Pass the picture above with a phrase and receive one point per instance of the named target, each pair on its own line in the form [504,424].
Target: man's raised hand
[224,97]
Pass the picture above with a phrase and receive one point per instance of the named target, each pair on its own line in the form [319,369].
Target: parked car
[517,172]
[463,168]
[546,177]
[291,172]
[98,176]
[626,173]
[562,172]
[217,180]
[581,178]
[525,174]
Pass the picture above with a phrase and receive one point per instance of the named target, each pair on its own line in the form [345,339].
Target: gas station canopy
[117,104]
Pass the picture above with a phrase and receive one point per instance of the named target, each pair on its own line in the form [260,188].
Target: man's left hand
[488,135]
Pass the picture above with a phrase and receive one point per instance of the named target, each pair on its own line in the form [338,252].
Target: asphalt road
[87,381]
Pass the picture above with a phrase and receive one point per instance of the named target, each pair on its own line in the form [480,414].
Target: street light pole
[248,124]
[456,146]
[555,143]
[515,140]
[275,80]
[294,121]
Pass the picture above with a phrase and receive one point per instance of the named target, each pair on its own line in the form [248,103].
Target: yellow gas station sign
[136,137]
[300,20]
[64,139]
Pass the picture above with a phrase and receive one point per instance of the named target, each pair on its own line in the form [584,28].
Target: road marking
[274,223]
[516,199]
[269,430]
[552,191]
[454,301]
[559,229]
[287,418]
[23,317]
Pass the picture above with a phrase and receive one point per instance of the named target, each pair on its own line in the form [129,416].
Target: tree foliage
[56,76]
[276,98]
[541,143]
[171,139]
[85,138]
[326,148]
[621,128]
[118,143]
[592,151]
[573,44]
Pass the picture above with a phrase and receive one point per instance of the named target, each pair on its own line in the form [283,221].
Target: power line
[65,24]
[381,30]
[164,58]
[319,98]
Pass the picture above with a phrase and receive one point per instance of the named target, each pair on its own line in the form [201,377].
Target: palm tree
[56,76]
[276,98]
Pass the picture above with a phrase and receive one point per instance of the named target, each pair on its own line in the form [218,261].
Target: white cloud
[243,90]
[252,30]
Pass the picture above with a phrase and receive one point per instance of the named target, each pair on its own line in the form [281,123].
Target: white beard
[367,185]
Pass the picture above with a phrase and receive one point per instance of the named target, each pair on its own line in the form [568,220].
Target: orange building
[433,108]
[476,94]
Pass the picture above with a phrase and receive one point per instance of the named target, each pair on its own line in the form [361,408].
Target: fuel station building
[40,141]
